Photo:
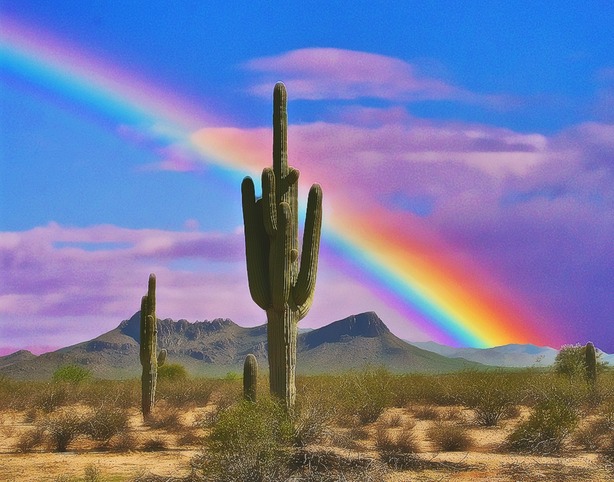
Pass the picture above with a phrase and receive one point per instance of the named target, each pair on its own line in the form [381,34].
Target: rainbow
[452,302]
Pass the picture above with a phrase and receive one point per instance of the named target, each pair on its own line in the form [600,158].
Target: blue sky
[488,125]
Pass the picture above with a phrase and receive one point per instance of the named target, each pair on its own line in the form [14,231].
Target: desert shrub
[185,393]
[92,473]
[594,434]
[123,442]
[449,437]
[119,393]
[30,439]
[359,432]
[189,437]
[452,414]
[608,450]
[546,387]
[16,395]
[547,428]
[367,394]
[397,448]
[61,429]
[31,415]
[155,444]
[329,466]
[167,418]
[421,389]
[394,420]
[225,396]
[127,394]
[71,374]
[51,397]
[104,422]
[249,442]
[426,412]
[489,394]
[313,415]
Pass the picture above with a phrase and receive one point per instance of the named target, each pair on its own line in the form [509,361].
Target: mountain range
[215,348]
[513,355]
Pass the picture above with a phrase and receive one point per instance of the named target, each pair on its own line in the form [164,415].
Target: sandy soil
[485,461]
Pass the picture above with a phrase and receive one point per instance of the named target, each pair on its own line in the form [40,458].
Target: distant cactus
[250,378]
[276,281]
[591,363]
[149,347]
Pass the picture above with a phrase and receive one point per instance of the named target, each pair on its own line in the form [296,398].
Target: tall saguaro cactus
[279,282]
[149,347]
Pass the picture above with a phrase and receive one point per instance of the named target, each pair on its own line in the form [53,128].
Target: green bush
[173,372]
[571,362]
[249,442]
[547,428]
[71,374]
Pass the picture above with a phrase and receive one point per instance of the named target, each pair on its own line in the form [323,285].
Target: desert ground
[402,436]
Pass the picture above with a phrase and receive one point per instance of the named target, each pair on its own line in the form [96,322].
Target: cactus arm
[143,332]
[280,131]
[256,246]
[305,285]
[151,295]
[269,201]
[162,357]
[281,258]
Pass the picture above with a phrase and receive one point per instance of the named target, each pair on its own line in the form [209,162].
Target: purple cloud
[331,73]
[55,272]
[65,285]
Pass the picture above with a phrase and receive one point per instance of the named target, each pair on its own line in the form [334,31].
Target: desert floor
[164,453]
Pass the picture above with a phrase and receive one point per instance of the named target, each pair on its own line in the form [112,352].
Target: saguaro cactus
[591,363]
[277,282]
[250,378]
[149,347]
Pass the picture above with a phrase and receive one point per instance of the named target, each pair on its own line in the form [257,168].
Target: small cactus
[149,347]
[591,363]
[250,378]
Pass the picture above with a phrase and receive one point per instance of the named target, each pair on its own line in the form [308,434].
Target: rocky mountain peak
[366,325]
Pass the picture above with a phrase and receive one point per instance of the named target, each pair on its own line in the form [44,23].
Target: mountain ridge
[214,348]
